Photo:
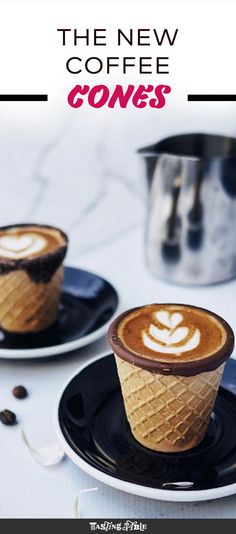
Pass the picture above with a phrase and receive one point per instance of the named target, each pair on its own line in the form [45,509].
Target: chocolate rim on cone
[40,268]
[183,368]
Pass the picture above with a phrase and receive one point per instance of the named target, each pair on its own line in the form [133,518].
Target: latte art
[174,339]
[170,333]
[22,246]
[25,242]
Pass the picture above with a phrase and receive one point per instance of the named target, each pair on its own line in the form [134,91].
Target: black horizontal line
[211,98]
[23,98]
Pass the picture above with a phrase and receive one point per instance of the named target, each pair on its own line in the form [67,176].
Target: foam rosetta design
[173,339]
[22,246]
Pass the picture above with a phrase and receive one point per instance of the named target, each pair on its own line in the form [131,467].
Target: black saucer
[88,302]
[93,423]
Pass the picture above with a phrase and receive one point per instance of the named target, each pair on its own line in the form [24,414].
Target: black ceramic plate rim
[130,487]
[69,346]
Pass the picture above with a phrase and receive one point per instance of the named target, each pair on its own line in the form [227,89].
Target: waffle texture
[27,306]
[167,413]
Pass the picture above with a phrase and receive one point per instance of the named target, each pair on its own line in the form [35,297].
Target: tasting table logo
[123,525]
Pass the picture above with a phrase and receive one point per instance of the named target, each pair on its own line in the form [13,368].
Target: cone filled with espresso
[31,273]
[170,359]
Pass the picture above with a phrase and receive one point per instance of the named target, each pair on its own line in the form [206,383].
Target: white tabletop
[29,490]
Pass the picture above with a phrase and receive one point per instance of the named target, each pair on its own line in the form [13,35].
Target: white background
[78,169]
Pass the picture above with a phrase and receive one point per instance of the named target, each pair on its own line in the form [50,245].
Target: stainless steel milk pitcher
[191,223]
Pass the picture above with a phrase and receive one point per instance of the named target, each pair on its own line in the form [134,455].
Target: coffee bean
[20,392]
[8,418]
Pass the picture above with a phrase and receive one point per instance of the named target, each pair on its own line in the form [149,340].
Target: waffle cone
[28,306]
[167,413]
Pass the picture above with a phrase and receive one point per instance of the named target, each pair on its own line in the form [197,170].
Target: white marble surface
[82,174]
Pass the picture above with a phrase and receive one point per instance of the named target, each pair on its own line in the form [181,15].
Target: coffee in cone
[31,273]
[170,359]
